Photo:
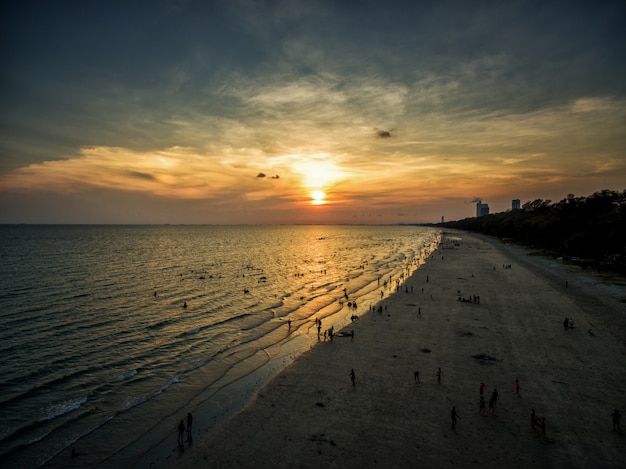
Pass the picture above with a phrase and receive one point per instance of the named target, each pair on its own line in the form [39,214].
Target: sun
[318,197]
[316,173]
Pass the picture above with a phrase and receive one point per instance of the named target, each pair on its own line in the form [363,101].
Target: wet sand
[311,415]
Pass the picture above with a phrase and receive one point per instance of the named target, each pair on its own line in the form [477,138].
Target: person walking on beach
[481,389]
[416,376]
[439,375]
[616,420]
[494,397]
[352,377]
[189,423]
[517,387]
[481,409]
[181,433]
[454,416]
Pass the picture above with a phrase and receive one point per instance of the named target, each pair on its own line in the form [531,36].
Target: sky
[306,112]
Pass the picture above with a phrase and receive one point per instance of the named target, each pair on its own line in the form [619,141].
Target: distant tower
[443,219]
[516,205]
[482,209]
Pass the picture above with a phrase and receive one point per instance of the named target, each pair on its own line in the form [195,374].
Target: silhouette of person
[439,375]
[616,420]
[416,376]
[352,376]
[181,433]
[481,410]
[454,416]
[494,397]
[517,387]
[189,423]
[481,389]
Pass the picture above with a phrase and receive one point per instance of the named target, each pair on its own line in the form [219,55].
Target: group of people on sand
[568,323]
[182,428]
[471,299]
[493,400]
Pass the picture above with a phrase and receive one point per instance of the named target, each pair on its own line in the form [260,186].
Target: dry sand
[310,415]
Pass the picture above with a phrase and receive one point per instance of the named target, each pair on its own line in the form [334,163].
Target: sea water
[106,332]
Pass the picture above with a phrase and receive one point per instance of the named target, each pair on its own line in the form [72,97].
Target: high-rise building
[482,209]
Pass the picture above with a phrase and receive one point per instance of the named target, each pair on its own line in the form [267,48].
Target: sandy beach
[509,326]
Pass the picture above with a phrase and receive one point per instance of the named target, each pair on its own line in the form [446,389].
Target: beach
[479,310]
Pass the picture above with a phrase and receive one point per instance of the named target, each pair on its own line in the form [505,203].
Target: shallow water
[107,329]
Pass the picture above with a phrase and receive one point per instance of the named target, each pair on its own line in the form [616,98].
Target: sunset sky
[294,111]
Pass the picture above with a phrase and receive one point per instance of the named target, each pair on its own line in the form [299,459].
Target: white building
[482,209]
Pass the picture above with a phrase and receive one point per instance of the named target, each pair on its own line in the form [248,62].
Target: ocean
[110,334]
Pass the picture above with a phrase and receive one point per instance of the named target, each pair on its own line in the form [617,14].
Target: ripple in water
[137,322]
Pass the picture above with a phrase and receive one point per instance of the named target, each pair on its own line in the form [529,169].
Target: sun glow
[319,173]
[318,197]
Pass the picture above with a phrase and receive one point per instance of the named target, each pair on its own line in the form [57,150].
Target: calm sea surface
[109,334]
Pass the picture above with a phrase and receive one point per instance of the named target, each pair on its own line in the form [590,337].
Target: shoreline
[239,387]
[311,416]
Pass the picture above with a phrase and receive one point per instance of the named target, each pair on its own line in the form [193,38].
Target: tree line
[590,230]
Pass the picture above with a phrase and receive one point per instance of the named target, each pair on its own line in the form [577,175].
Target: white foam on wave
[126,376]
[56,410]
[167,385]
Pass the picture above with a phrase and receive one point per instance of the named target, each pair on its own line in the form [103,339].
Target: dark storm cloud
[123,74]
[114,74]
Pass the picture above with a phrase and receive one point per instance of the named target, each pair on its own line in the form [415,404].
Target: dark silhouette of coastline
[589,231]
